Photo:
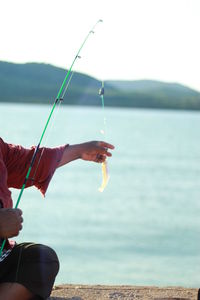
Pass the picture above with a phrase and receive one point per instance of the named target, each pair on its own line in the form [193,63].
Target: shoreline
[123,292]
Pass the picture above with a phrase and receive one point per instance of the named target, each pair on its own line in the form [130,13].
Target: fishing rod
[59,98]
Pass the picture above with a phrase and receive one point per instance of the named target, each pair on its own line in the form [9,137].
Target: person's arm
[17,161]
[96,151]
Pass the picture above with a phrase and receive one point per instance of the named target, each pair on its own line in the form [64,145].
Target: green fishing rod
[58,99]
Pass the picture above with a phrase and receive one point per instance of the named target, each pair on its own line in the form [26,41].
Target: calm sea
[144,229]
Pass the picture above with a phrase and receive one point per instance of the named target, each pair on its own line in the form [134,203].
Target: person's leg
[33,267]
[37,269]
[10,291]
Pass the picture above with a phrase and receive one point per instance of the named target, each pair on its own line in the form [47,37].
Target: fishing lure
[105,175]
[104,165]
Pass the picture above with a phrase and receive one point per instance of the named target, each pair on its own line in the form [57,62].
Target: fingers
[100,158]
[19,211]
[108,153]
[103,148]
[96,151]
[19,220]
[106,145]
[10,222]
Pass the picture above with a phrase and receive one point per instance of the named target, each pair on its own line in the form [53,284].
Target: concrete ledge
[104,292]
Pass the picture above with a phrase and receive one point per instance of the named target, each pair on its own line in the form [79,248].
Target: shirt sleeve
[5,194]
[17,160]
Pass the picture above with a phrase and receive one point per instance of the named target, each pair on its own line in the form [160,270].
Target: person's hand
[10,222]
[96,151]
[91,151]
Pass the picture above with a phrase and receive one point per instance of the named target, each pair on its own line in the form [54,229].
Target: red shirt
[14,163]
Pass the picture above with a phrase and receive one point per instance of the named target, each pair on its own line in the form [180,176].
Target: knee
[44,257]
[48,256]
[43,265]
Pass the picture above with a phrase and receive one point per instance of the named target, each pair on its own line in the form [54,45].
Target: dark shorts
[35,266]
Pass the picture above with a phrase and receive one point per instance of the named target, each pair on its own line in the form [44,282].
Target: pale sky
[138,39]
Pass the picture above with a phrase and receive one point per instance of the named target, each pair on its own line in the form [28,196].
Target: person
[28,270]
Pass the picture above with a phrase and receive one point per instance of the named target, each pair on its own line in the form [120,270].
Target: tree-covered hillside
[39,83]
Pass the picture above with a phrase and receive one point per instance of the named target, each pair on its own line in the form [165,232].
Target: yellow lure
[106,176]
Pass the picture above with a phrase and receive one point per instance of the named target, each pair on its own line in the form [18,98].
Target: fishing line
[101,94]
[104,165]
[58,98]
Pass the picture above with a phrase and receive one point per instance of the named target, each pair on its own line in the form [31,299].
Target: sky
[138,39]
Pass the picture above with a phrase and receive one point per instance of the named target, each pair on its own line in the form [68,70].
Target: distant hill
[149,85]
[39,83]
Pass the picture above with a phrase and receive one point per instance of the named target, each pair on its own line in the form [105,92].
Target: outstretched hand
[96,151]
